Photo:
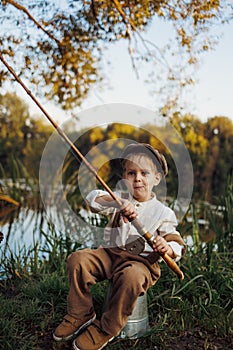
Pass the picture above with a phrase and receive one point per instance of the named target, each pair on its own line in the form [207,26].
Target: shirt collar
[139,204]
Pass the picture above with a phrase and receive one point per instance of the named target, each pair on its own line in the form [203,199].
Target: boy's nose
[137,176]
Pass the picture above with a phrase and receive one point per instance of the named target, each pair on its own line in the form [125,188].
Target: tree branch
[22,8]
[123,15]
[128,22]
[95,14]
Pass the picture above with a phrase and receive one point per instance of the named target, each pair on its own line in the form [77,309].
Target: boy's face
[141,175]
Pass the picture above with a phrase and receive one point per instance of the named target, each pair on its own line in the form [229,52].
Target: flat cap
[157,158]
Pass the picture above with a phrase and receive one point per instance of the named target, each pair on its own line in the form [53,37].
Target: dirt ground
[187,341]
[202,341]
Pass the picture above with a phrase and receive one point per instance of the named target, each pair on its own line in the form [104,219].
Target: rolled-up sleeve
[168,227]
[91,197]
[95,206]
[177,249]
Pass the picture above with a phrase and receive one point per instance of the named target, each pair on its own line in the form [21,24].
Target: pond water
[23,227]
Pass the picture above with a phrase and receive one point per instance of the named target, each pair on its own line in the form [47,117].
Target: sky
[212,95]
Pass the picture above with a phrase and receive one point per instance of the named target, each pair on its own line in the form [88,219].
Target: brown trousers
[131,276]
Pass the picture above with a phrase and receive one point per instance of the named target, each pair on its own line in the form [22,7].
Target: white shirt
[152,214]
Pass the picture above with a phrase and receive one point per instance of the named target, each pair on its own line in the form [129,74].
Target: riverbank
[196,313]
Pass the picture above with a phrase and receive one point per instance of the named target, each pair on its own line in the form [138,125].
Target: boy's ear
[158,178]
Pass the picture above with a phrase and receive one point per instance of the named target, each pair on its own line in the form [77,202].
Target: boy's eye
[132,173]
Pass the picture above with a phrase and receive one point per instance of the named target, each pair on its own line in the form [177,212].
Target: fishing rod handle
[149,239]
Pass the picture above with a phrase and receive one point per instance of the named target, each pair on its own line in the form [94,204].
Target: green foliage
[23,139]
[13,117]
[201,302]
[221,218]
[44,258]
[57,248]
[208,144]
[209,152]
[218,131]
[23,303]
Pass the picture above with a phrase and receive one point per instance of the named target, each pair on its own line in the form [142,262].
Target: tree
[192,132]
[37,135]
[209,145]
[58,45]
[13,120]
[219,133]
[21,136]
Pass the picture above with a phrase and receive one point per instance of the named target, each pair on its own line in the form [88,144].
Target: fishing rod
[136,223]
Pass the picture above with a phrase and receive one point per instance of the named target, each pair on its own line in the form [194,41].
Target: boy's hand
[161,246]
[128,210]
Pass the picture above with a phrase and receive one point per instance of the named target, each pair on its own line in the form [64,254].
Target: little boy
[131,268]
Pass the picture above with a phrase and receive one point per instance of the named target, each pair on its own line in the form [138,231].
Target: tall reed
[18,185]
[221,218]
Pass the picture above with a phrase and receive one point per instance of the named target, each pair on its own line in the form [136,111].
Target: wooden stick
[141,230]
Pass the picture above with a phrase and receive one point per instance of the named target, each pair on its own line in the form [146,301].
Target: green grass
[196,313]
[32,305]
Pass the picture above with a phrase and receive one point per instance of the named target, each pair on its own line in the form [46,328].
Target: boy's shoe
[92,338]
[71,326]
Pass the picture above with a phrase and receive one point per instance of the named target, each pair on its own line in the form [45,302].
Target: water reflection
[23,226]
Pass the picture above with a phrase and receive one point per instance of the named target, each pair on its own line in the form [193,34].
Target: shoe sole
[76,332]
[76,348]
